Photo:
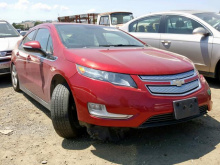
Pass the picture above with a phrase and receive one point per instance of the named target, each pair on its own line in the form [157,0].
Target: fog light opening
[99,110]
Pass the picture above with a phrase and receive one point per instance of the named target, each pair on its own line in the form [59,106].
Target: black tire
[63,112]
[218,73]
[14,78]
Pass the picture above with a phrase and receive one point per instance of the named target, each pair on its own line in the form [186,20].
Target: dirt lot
[34,141]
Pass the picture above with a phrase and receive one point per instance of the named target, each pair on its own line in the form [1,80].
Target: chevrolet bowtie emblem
[178,83]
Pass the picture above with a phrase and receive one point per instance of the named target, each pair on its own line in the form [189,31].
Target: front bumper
[168,119]
[138,102]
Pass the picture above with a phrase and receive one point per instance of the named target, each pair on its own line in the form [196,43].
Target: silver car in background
[194,34]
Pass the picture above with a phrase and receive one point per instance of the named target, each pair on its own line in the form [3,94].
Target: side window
[104,20]
[180,25]
[133,26]
[29,37]
[50,46]
[146,25]
[42,37]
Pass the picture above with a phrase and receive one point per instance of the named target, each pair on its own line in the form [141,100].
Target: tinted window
[104,20]
[146,25]
[84,36]
[6,30]
[42,37]
[29,37]
[50,46]
[180,25]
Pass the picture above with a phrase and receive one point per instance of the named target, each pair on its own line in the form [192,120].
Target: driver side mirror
[32,45]
[201,31]
[35,45]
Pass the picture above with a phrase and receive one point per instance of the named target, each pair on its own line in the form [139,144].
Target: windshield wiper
[120,45]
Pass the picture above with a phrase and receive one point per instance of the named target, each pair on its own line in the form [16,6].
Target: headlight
[114,78]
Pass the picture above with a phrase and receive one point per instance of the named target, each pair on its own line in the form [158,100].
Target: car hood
[8,43]
[147,61]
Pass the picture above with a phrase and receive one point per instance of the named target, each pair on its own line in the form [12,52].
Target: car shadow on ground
[5,81]
[162,145]
[213,83]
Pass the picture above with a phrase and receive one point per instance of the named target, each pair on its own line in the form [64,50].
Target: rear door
[178,38]
[147,29]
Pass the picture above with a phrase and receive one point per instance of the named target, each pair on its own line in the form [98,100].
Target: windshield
[6,30]
[90,36]
[121,18]
[212,19]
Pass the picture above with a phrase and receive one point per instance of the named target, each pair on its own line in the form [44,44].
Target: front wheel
[14,78]
[63,112]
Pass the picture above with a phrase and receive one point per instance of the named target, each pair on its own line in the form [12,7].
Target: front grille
[167,119]
[9,53]
[171,89]
[180,84]
[169,77]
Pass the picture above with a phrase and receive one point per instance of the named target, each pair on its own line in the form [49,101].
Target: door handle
[165,42]
[17,54]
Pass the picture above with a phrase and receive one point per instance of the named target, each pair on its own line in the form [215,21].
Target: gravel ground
[32,140]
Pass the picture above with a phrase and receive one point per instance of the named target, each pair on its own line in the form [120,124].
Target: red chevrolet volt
[105,80]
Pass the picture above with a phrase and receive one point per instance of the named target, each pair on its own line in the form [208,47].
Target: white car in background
[9,36]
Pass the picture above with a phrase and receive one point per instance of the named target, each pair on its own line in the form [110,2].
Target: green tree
[37,23]
[17,26]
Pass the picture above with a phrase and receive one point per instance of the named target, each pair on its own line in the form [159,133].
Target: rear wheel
[14,78]
[63,112]
[218,73]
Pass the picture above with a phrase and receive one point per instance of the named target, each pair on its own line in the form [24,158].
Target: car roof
[67,23]
[190,12]
[108,13]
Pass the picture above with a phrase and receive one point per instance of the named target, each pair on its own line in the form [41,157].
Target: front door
[178,38]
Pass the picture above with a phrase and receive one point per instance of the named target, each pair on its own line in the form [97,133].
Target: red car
[106,80]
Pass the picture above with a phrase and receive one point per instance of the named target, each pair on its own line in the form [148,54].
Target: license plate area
[186,108]
[4,65]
